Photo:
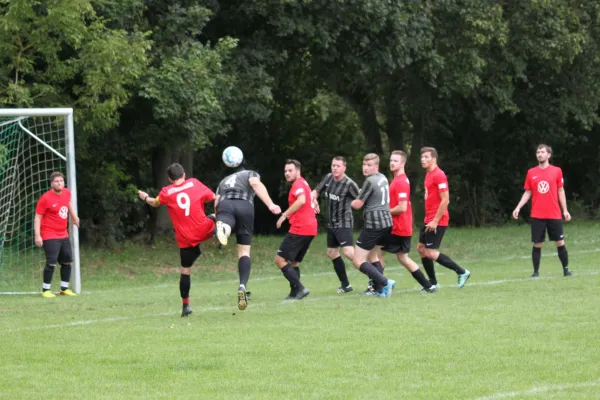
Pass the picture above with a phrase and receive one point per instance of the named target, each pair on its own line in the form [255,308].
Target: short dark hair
[432,150]
[296,163]
[340,158]
[399,153]
[175,171]
[55,175]
[545,146]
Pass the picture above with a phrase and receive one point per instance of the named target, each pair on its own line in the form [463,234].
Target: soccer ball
[233,156]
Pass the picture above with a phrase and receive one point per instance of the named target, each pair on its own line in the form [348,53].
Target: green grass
[502,336]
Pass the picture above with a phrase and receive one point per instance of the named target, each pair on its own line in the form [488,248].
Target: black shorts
[339,237]
[293,248]
[397,244]
[369,238]
[58,250]
[433,239]
[189,255]
[540,226]
[239,215]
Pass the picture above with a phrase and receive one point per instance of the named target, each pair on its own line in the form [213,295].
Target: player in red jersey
[50,230]
[437,198]
[544,185]
[303,229]
[398,242]
[185,200]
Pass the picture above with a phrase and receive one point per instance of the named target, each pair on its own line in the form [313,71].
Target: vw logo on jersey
[63,212]
[543,187]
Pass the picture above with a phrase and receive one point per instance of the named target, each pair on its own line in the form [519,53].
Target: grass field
[502,336]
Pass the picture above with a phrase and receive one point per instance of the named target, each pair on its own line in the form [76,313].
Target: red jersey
[303,222]
[544,184]
[435,183]
[400,191]
[186,209]
[54,209]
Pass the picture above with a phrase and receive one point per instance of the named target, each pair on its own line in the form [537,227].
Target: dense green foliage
[155,82]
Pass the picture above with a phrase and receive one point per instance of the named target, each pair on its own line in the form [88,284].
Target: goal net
[33,144]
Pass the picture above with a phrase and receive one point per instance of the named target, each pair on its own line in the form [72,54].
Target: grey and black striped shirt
[339,195]
[375,192]
[237,186]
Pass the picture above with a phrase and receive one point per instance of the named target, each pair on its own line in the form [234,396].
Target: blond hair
[371,156]
[399,153]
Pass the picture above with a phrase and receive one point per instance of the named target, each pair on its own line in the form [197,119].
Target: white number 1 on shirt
[183,201]
[385,195]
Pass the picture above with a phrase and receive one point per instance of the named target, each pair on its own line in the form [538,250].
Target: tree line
[155,82]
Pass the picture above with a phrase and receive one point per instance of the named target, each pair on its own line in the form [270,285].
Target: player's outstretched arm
[524,199]
[263,194]
[296,205]
[151,201]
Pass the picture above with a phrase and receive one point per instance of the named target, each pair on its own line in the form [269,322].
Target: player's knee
[348,252]
[539,245]
[280,261]
[50,266]
[333,253]
[421,250]
[560,243]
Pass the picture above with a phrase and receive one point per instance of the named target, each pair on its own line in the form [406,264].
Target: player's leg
[538,236]
[335,238]
[427,262]
[367,240]
[65,258]
[244,267]
[303,244]
[555,233]
[225,220]
[400,246]
[188,256]
[52,250]
[288,251]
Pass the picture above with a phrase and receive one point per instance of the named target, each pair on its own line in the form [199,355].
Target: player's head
[397,160]
[292,170]
[429,157]
[338,167]
[543,153]
[370,164]
[57,181]
[175,172]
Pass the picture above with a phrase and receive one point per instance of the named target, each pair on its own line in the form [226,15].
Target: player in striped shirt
[339,190]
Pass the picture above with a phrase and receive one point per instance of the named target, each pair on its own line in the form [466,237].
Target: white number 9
[183,201]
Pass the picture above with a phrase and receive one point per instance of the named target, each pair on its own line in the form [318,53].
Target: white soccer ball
[233,156]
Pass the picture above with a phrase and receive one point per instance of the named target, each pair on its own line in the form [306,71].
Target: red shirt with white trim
[544,184]
[54,209]
[435,183]
[303,222]
[185,203]
[400,191]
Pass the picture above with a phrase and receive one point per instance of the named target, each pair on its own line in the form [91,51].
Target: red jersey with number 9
[185,203]
[54,209]
[544,184]
[435,183]
[303,221]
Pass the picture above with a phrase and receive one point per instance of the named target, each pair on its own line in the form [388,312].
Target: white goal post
[33,142]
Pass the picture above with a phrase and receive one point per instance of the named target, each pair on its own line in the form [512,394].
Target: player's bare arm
[37,224]
[562,199]
[151,201]
[524,199]
[445,201]
[73,213]
[357,204]
[217,198]
[300,201]
[314,195]
[400,208]
[263,195]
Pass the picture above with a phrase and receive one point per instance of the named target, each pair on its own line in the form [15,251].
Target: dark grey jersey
[339,195]
[375,192]
[237,186]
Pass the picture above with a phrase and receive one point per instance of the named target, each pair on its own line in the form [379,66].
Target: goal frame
[71,172]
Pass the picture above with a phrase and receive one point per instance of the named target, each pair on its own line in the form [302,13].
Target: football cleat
[242,298]
[463,278]
[67,292]
[567,273]
[345,289]
[221,235]
[302,294]
[431,289]
[535,274]
[48,294]
[187,310]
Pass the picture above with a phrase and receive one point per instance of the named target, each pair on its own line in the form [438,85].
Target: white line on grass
[261,305]
[542,389]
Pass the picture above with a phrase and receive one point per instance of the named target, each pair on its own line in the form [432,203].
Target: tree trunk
[394,123]
[365,109]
